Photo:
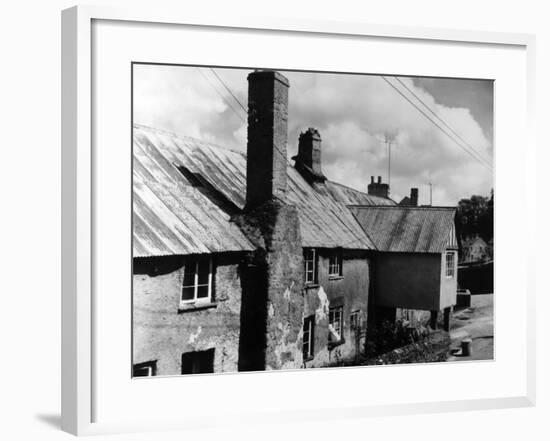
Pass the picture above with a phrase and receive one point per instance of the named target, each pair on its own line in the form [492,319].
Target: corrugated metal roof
[407,229]
[350,196]
[325,221]
[170,215]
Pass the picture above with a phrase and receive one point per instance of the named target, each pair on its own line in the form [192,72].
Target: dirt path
[476,323]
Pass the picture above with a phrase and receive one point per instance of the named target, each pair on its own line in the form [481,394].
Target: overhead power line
[488,166]
[240,104]
[229,91]
[221,96]
[473,149]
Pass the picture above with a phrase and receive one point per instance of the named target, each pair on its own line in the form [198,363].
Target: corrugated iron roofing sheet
[325,220]
[170,215]
[350,196]
[407,229]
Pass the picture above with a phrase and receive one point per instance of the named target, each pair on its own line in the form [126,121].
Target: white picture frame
[79,232]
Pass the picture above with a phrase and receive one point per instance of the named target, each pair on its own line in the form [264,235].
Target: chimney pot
[414,197]
[378,188]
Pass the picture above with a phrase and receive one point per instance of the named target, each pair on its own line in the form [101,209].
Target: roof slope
[350,196]
[170,215]
[407,229]
[158,156]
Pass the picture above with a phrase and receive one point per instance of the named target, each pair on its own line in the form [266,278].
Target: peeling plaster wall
[316,303]
[161,333]
[350,291]
[284,287]
[273,304]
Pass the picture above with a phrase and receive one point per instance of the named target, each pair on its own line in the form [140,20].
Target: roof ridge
[187,137]
[350,188]
[403,207]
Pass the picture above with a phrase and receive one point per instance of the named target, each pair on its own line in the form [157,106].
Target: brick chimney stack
[414,197]
[378,188]
[267,137]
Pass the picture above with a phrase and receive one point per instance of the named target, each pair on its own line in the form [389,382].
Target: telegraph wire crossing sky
[440,129]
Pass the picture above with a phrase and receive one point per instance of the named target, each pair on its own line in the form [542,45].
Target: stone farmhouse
[247,262]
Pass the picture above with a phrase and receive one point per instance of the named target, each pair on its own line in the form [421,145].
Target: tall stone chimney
[378,188]
[267,137]
[308,160]
[414,197]
[272,279]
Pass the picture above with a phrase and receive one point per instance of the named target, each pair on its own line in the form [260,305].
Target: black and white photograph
[296,220]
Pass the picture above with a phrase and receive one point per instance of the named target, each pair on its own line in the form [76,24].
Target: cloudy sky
[353,113]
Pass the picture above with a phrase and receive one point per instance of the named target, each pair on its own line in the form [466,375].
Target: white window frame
[310,333]
[313,262]
[354,320]
[149,365]
[336,335]
[196,284]
[335,264]
[450,269]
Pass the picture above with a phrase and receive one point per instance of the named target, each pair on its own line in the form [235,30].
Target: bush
[390,335]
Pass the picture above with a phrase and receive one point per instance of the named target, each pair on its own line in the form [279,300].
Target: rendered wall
[162,333]
[350,291]
[273,304]
[409,281]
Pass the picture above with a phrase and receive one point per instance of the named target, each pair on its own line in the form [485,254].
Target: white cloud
[351,112]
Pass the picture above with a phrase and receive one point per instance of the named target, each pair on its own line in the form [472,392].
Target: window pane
[188,293]
[189,275]
[307,342]
[335,323]
[203,278]
[202,291]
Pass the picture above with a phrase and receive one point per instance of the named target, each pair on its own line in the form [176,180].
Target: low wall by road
[478,278]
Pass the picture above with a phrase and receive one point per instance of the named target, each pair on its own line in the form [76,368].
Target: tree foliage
[475,217]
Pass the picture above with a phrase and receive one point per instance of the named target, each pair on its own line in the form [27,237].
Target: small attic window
[335,263]
[310,266]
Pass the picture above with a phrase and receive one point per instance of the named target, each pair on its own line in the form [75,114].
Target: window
[450,264]
[307,341]
[198,362]
[335,264]
[335,324]
[354,321]
[197,281]
[147,369]
[310,265]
